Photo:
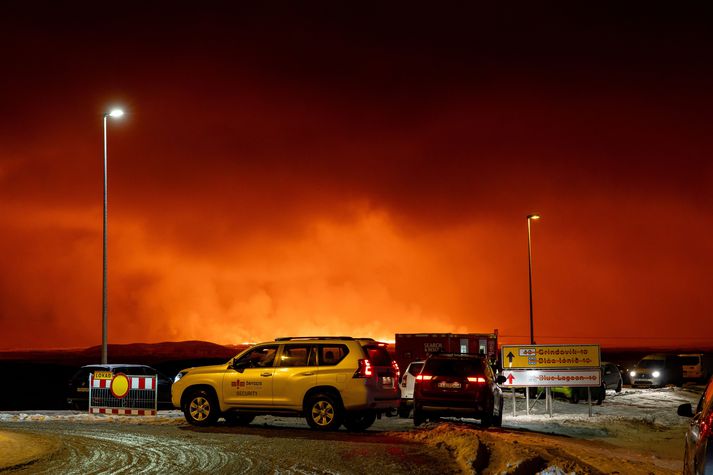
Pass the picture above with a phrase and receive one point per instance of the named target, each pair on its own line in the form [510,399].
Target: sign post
[548,366]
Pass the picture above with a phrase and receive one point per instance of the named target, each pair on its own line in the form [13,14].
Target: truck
[417,346]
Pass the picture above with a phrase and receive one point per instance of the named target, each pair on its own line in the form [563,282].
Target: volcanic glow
[280,182]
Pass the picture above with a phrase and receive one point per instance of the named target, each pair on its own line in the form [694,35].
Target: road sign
[550,356]
[542,378]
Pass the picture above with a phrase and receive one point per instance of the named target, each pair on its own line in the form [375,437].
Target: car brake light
[397,371]
[476,379]
[364,370]
[706,426]
[424,377]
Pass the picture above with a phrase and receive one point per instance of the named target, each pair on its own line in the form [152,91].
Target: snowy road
[136,448]
[636,431]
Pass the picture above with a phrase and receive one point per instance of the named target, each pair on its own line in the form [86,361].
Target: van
[692,366]
[657,370]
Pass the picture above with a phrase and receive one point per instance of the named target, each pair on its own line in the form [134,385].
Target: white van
[693,368]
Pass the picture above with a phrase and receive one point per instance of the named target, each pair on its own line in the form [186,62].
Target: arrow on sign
[510,356]
[510,378]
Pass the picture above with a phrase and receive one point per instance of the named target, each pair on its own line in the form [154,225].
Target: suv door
[294,375]
[249,380]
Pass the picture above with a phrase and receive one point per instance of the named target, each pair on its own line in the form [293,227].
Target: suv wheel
[487,420]
[359,421]
[201,408]
[618,387]
[418,416]
[323,412]
[498,420]
[235,419]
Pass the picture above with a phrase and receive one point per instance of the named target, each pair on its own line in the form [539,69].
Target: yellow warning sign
[550,356]
[103,375]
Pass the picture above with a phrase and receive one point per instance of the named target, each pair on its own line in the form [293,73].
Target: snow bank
[163,417]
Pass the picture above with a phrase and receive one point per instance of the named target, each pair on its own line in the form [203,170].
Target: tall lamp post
[530,217]
[114,113]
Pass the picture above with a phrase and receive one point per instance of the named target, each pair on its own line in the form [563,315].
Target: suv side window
[259,357]
[298,355]
[331,355]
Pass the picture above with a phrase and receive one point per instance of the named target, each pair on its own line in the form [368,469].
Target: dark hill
[39,377]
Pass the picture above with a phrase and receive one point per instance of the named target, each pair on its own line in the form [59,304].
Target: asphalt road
[255,449]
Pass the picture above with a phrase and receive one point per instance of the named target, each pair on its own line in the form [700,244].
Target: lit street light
[114,113]
[530,217]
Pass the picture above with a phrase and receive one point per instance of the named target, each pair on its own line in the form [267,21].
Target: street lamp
[114,113]
[530,217]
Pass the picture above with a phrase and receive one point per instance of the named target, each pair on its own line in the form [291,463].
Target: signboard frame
[551,356]
[543,378]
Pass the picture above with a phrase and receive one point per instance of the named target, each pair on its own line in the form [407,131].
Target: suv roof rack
[290,338]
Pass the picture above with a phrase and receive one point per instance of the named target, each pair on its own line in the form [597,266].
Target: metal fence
[122,394]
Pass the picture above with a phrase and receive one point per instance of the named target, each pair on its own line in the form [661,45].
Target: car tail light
[706,426]
[397,371]
[403,381]
[476,379]
[365,370]
[424,377]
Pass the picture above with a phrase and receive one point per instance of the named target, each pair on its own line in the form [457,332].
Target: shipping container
[417,346]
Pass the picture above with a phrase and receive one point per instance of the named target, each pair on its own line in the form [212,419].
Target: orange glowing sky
[324,170]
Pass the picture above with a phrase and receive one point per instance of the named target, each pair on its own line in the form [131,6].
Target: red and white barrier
[123,394]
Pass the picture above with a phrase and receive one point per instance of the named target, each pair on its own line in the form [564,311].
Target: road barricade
[122,394]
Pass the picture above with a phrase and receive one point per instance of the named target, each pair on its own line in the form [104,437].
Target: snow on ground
[635,431]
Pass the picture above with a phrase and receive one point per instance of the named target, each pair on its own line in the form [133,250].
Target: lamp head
[533,216]
[116,113]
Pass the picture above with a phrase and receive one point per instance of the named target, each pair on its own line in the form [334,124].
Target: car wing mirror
[500,379]
[240,366]
[685,410]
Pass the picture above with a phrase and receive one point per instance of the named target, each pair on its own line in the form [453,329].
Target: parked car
[78,390]
[612,377]
[577,394]
[657,370]
[408,381]
[698,452]
[328,380]
[696,366]
[460,385]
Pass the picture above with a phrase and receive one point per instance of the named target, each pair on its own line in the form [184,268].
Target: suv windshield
[454,367]
[651,363]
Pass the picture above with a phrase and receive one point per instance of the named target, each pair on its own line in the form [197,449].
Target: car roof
[363,341]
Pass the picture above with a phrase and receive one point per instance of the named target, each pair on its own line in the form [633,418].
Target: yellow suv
[328,380]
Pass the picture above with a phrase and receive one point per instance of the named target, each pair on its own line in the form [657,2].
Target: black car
[458,385]
[698,454]
[78,391]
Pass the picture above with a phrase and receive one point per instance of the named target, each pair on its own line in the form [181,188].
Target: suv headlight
[656,374]
[632,374]
[179,376]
